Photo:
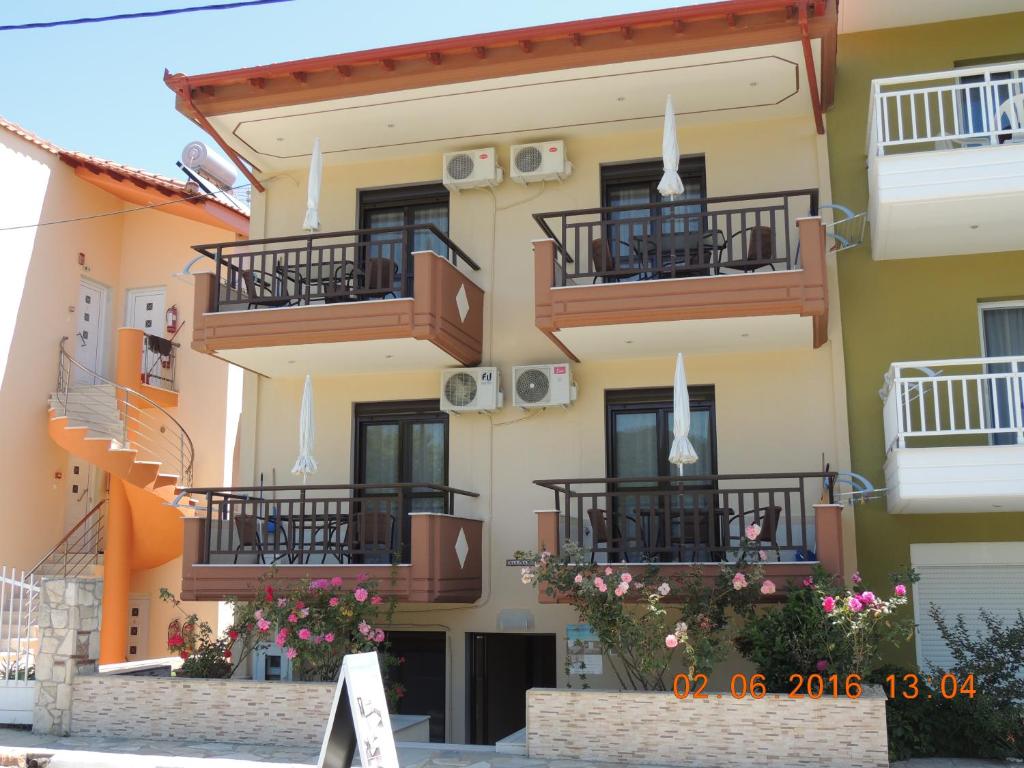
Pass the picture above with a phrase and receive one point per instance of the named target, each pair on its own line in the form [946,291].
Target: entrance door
[138,628]
[403,442]
[83,489]
[88,341]
[502,669]
[422,673]
[145,308]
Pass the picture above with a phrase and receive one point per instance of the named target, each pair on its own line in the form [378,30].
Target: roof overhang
[673,33]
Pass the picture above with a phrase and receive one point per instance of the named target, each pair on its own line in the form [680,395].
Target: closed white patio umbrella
[316,169]
[670,185]
[305,464]
[682,451]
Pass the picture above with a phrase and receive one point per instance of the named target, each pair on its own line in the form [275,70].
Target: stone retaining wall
[695,733]
[243,711]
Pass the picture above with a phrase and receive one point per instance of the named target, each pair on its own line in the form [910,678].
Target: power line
[201,195]
[138,15]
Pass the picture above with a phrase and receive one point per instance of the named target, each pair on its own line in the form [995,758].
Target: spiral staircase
[127,433]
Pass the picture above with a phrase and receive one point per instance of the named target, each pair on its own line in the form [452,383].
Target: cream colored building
[740,277]
[93,253]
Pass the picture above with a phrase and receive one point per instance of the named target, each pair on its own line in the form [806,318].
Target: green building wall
[912,309]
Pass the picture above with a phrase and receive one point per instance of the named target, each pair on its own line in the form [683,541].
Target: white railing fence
[958,397]
[19,625]
[973,106]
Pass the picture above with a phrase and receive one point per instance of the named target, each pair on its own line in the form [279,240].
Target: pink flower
[739,581]
[281,602]
[336,581]
[579,578]
[305,634]
[900,590]
[627,577]
[364,629]
[664,589]
[828,604]
[856,579]
[376,600]
[867,598]
[304,613]
[621,589]
[671,641]
[361,595]
[329,637]
[263,625]
[362,577]
[599,583]
[607,571]
[808,582]
[822,665]
[317,639]
[258,614]
[299,605]
[292,618]
[291,653]
[854,604]
[378,636]
[282,636]
[768,587]
[333,602]
[753,531]
[762,555]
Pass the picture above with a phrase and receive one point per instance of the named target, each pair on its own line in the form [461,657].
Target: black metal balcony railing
[159,362]
[317,524]
[324,268]
[678,238]
[689,519]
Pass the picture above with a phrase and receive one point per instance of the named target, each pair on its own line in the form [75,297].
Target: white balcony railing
[973,106]
[931,399]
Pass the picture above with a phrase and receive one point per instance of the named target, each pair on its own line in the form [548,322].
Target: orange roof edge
[508,37]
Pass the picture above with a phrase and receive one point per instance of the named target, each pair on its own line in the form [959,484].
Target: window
[1002,334]
[973,107]
[403,442]
[639,432]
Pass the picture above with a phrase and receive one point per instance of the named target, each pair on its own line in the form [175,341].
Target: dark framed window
[636,183]
[403,442]
[638,432]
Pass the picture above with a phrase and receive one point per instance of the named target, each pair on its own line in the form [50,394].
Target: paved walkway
[98,752]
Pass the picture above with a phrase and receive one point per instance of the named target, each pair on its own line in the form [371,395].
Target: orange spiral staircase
[123,428]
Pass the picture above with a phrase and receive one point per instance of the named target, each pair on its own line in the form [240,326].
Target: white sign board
[360,715]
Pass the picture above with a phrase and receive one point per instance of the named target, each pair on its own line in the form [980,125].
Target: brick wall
[725,732]
[242,711]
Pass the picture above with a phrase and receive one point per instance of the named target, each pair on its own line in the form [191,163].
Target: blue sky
[98,88]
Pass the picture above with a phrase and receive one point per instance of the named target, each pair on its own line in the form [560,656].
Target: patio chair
[760,249]
[379,276]
[247,529]
[767,517]
[603,532]
[371,533]
[258,288]
[604,262]
[339,289]
[1012,110]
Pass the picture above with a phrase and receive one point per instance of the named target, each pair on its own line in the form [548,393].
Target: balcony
[715,275]
[340,302]
[946,162]
[954,435]
[406,537]
[682,524]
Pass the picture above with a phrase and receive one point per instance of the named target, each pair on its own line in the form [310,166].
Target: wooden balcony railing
[316,524]
[679,238]
[697,519]
[324,268]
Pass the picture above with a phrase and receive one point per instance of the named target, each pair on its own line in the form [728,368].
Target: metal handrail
[132,426]
[211,250]
[93,536]
[244,489]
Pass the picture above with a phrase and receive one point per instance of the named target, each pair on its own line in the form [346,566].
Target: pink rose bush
[648,621]
[317,622]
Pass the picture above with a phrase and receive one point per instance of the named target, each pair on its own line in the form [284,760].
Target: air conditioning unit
[543,161]
[472,168]
[471,389]
[539,386]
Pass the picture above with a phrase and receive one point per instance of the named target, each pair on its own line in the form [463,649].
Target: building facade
[587,279]
[94,253]
[926,135]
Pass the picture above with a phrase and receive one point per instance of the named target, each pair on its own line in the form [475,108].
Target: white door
[83,490]
[88,341]
[138,628]
[145,308]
